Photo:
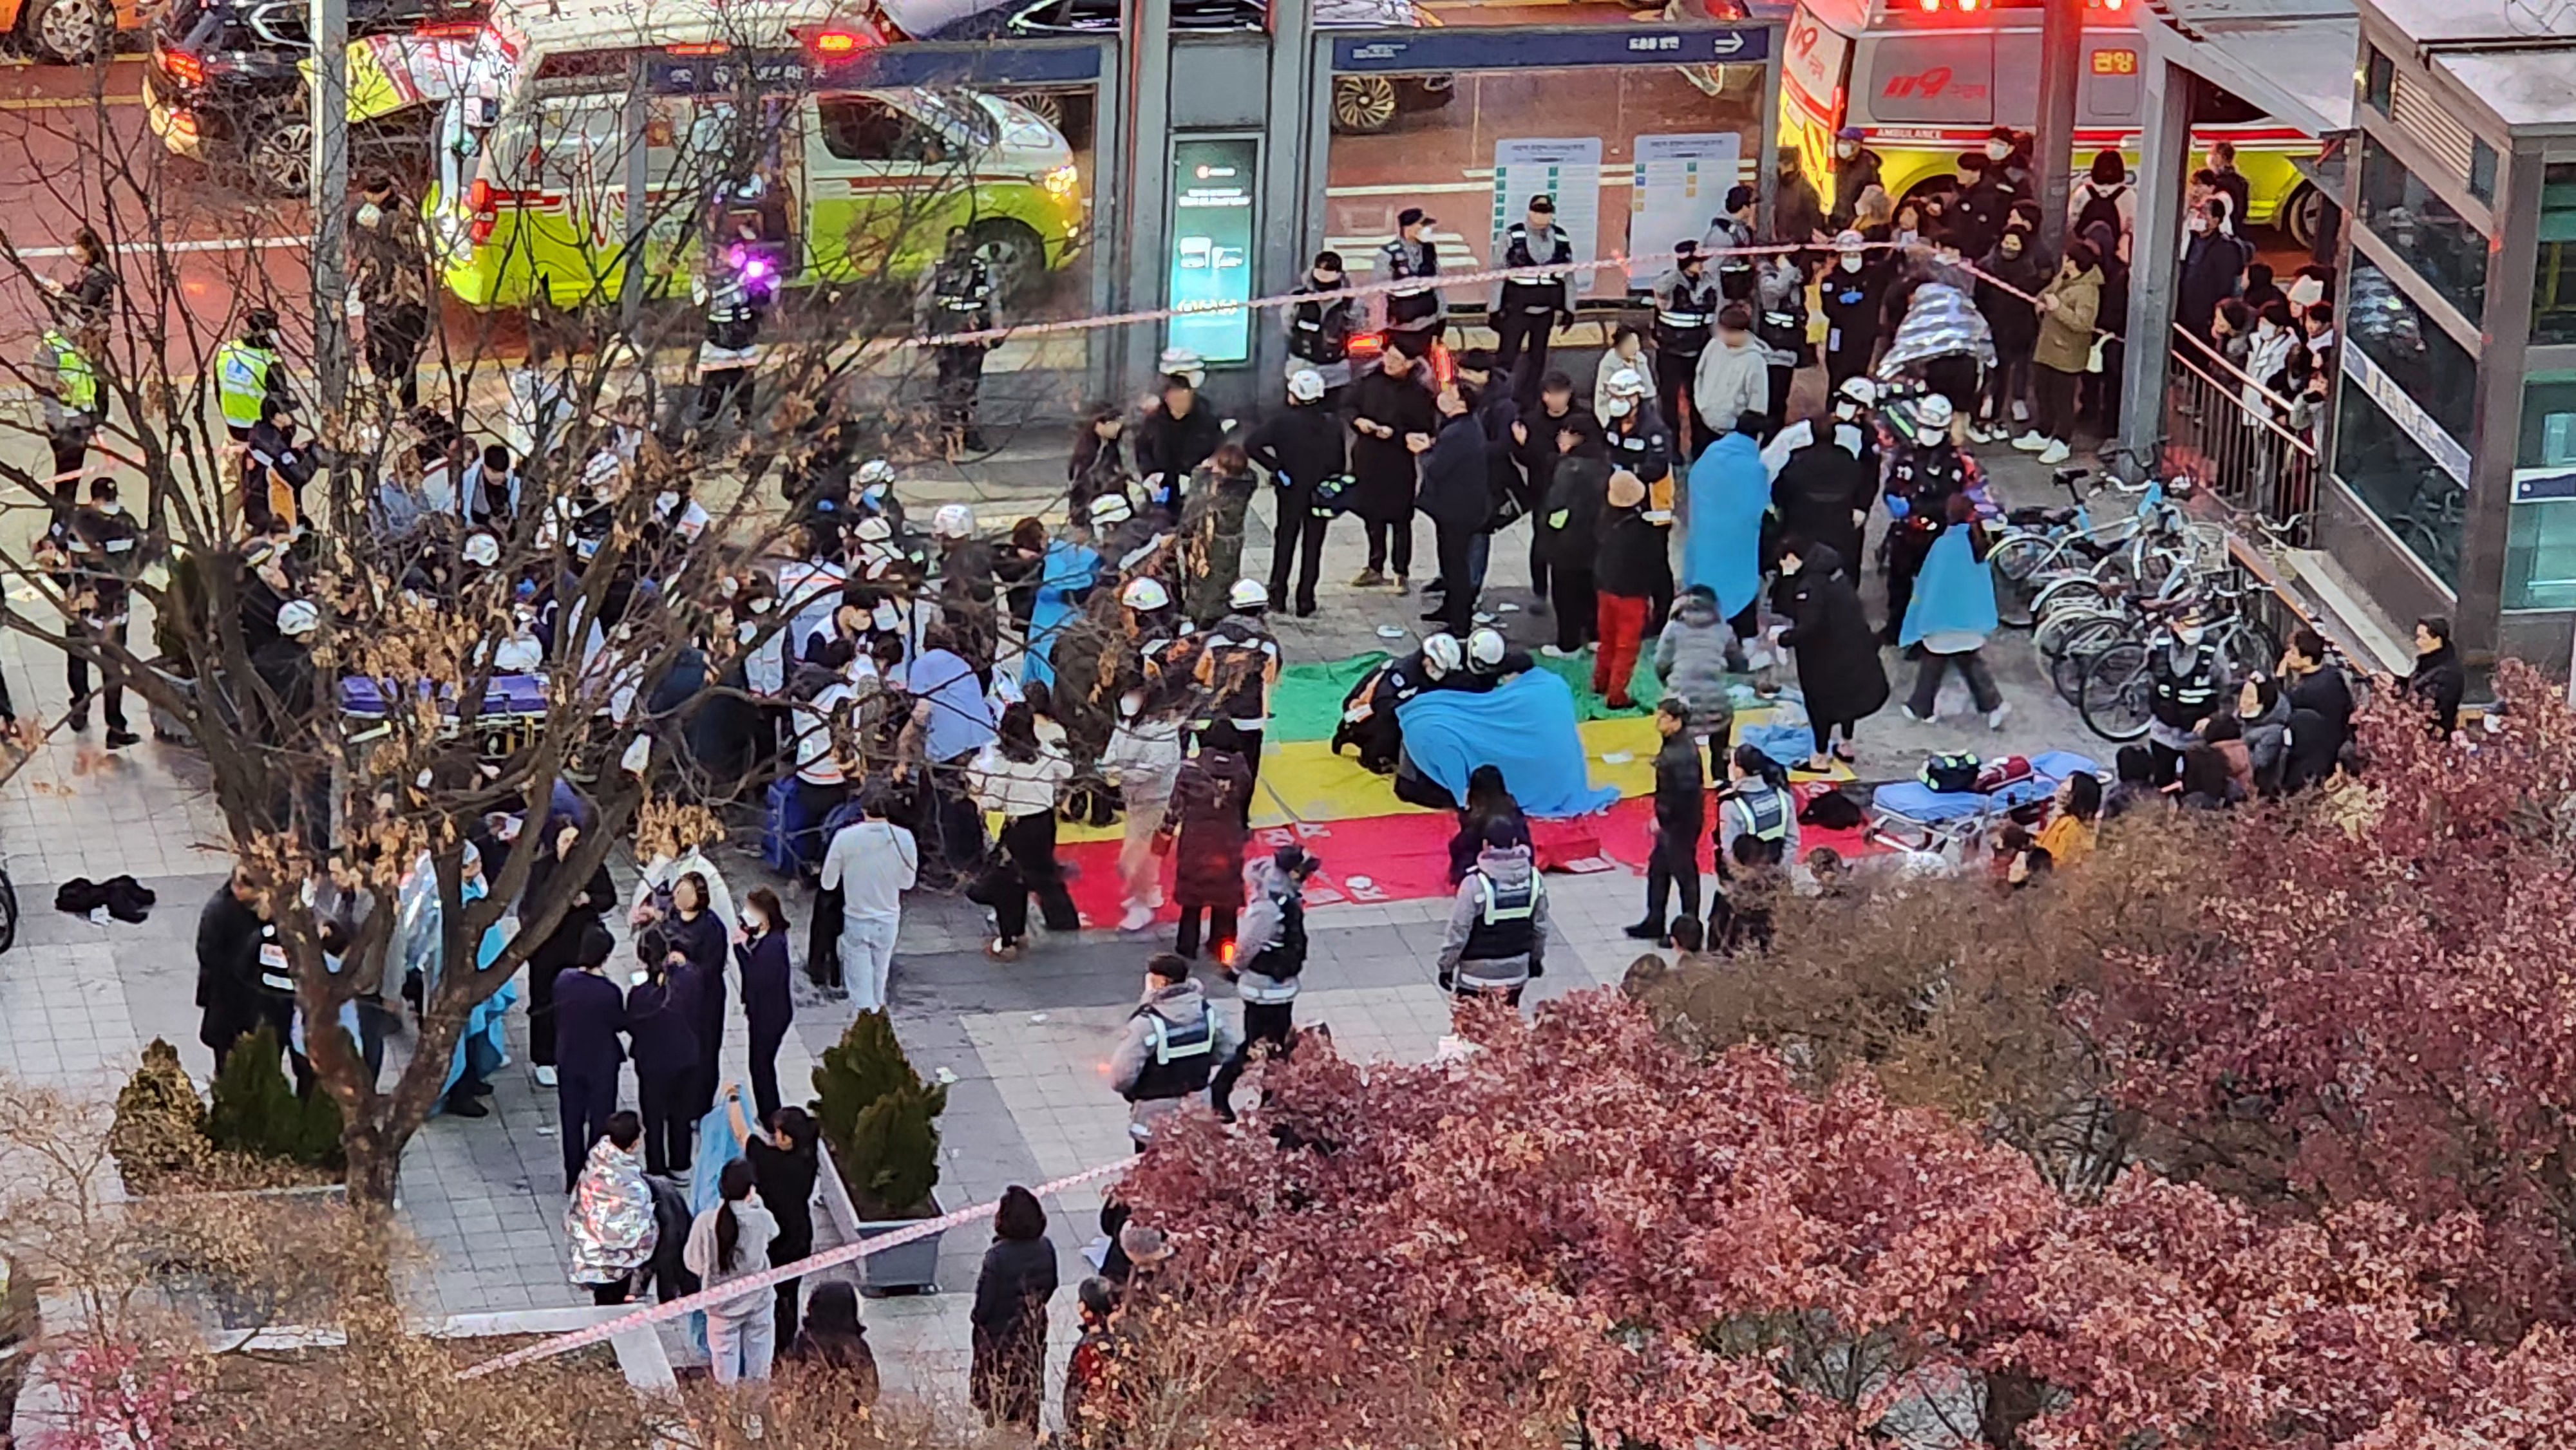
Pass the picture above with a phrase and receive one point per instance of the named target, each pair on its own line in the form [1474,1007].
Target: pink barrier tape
[732,1289]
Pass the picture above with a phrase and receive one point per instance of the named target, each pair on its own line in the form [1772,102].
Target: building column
[2155,249]
[1285,161]
[1145,69]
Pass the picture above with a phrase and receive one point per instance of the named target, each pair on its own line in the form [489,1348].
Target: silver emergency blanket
[1940,321]
[610,1222]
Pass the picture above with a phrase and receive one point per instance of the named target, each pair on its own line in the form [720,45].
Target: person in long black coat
[589,901]
[784,1165]
[696,934]
[1205,823]
[228,942]
[1300,447]
[1389,406]
[1007,1375]
[662,1037]
[1824,493]
[1838,665]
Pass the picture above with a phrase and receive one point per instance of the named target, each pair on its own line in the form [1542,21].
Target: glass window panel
[2412,349]
[2399,482]
[2446,250]
[2540,531]
[2553,292]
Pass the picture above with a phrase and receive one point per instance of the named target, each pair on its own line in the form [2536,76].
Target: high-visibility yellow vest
[241,381]
[76,381]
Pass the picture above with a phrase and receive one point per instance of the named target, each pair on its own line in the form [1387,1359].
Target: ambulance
[1925,80]
[846,182]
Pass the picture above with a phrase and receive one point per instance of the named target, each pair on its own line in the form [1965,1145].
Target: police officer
[1415,314]
[1497,936]
[103,546]
[68,378]
[2184,690]
[1756,803]
[247,373]
[1527,311]
[1731,236]
[726,356]
[1853,293]
[1269,955]
[1686,303]
[957,297]
[1319,329]
[1175,1039]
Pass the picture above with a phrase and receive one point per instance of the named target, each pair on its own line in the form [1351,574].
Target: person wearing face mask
[2002,179]
[1780,325]
[761,957]
[2267,363]
[1856,169]
[247,371]
[1733,377]
[1825,489]
[275,467]
[1416,311]
[2010,274]
[2068,308]
[1174,1041]
[1527,311]
[2213,264]
[1320,328]
[2185,688]
[1686,304]
[1627,354]
[1852,298]
[389,268]
[1394,423]
[104,547]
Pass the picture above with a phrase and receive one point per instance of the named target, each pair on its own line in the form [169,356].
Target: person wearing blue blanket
[1730,491]
[1524,727]
[1951,616]
[1065,578]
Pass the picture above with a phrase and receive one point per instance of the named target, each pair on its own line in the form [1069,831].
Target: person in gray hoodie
[1693,657]
[1174,1041]
[1734,374]
[1497,937]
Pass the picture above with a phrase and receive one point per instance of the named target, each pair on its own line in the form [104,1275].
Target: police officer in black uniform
[1415,315]
[104,546]
[957,297]
[727,355]
[1319,331]
[1686,303]
[1270,955]
[1528,311]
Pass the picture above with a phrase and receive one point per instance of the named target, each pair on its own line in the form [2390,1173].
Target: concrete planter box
[639,1351]
[911,1268]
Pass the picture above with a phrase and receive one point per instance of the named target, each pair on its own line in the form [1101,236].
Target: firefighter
[956,298]
[1686,302]
[1527,311]
[1415,315]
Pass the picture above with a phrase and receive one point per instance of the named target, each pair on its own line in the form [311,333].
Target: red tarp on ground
[1406,857]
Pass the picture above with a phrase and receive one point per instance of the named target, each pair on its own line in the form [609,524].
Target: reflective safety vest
[1685,309]
[241,381]
[1763,810]
[1506,922]
[1280,963]
[964,293]
[75,380]
[1181,1059]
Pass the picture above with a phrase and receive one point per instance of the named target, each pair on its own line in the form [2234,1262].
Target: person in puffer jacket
[1174,1041]
[610,1223]
[1497,937]
[1693,657]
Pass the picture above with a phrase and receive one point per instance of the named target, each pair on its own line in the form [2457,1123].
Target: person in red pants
[1631,558]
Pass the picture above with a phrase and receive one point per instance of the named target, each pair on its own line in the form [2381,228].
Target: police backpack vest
[1950,773]
[1178,1060]
[1282,960]
[1506,923]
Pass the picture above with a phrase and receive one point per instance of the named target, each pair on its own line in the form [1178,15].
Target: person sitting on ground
[2070,834]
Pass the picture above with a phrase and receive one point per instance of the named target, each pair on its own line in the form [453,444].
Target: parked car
[69,32]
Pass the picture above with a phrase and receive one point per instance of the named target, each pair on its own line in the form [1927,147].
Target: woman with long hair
[1019,776]
[1008,1372]
[731,1241]
[1099,460]
[1488,800]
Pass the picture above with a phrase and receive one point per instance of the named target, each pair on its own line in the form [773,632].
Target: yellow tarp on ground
[1304,781]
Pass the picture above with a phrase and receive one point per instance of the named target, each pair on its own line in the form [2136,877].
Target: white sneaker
[1996,717]
[545,1075]
[1555,652]
[2055,452]
[2031,442]
[1138,918]
[1908,712]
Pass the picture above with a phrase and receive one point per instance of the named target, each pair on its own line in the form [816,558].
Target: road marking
[69,103]
[146,249]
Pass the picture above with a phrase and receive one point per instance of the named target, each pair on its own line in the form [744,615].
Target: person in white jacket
[1734,376]
[1627,354]
[1143,759]
[1019,777]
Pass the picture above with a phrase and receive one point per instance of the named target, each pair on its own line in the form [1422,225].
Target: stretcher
[514,710]
[1912,804]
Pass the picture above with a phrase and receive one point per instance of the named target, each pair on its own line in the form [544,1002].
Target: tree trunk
[374,1168]
[2012,1400]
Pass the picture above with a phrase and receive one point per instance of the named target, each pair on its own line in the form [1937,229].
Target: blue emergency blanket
[1525,727]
